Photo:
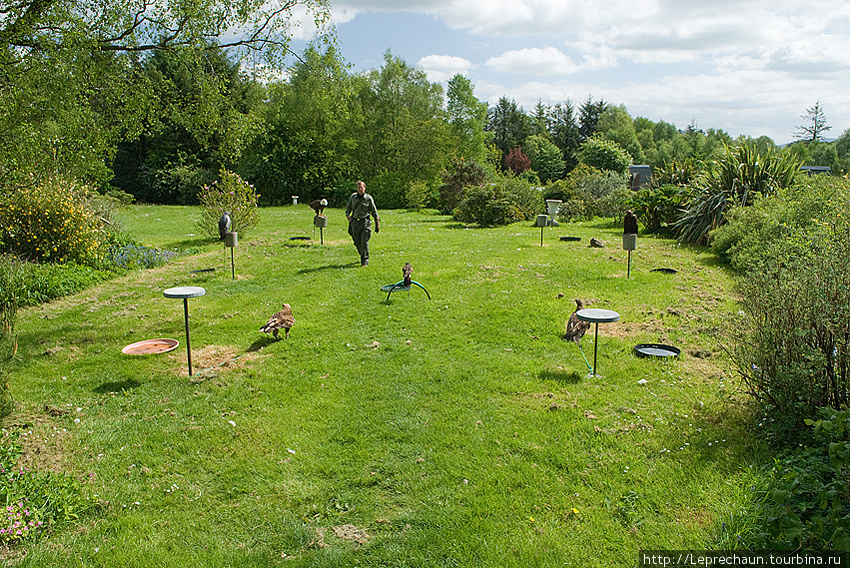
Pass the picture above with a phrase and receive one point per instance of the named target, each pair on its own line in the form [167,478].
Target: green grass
[456,431]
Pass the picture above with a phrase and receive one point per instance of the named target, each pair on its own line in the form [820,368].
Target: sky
[748,67]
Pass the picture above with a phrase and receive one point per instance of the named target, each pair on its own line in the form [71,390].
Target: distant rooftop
[814,170]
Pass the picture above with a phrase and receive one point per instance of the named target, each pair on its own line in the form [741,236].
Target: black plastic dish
[656,350]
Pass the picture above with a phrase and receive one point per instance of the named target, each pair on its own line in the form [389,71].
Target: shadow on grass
[193,246]
[117,386]
[329,267]
[260,343]
[560,376]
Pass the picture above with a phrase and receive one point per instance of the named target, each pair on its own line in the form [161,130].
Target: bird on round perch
[406,271]
[224,225]
[281,320]
[319,205]
[575,329]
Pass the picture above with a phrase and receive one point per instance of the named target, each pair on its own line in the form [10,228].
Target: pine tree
[816,125]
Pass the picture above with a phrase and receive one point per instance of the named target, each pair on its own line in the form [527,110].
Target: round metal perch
[401,286]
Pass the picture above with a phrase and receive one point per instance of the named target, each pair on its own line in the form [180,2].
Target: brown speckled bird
[575,329]
[406,271]
[281,320]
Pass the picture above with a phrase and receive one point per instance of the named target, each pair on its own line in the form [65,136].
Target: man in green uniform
[360,206]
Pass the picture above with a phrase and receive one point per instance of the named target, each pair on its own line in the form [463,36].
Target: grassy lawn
[456,431]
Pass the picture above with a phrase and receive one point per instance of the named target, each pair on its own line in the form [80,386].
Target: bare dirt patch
[213,360]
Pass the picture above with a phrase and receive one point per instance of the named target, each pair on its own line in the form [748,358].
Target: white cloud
[533,61]
[746,66]
[443,67]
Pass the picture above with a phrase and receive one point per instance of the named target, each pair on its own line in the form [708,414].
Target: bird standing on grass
[224,225]
[575,329]
[281,320]
[406,271]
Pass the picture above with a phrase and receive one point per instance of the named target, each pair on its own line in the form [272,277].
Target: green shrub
[793,348]
[605,155]
[474,205]
[178,181]
[657,208]
[806,502]
[389,188]
[509,200]
[418,195]
[791,213]
[587,192]
[58,221]
[232,194]
[460,175]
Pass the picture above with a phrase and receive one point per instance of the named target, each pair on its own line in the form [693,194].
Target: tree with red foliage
[517,161]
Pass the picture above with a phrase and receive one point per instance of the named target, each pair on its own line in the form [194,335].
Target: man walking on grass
[360,206]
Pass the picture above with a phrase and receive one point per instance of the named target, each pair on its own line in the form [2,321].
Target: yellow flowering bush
[54,222]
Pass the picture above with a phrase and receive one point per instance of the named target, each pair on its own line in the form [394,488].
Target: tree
[815,126]
[509,124]
[33,28]
[545,157]
[93,47]
[516,161]
[468,119]
[589,114]
[616,124]
[460,175]
[564,132]
[310,141]
[404,135]
[203,113]
[842,148]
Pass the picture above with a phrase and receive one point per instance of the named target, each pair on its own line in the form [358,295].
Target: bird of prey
[223,225]
[319,205]
[406,271]
[281,320]
[575,328]
[630,223]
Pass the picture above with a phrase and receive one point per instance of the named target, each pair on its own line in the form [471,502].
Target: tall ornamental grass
[735,176]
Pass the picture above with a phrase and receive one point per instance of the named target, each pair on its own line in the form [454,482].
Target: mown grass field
[456,431]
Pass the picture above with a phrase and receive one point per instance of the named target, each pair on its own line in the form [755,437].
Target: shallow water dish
[665,270]
[150,346]
[656,350]
[570,238]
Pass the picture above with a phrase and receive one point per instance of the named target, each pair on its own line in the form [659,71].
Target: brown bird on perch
[575,329]
[281,320]
[406,271]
